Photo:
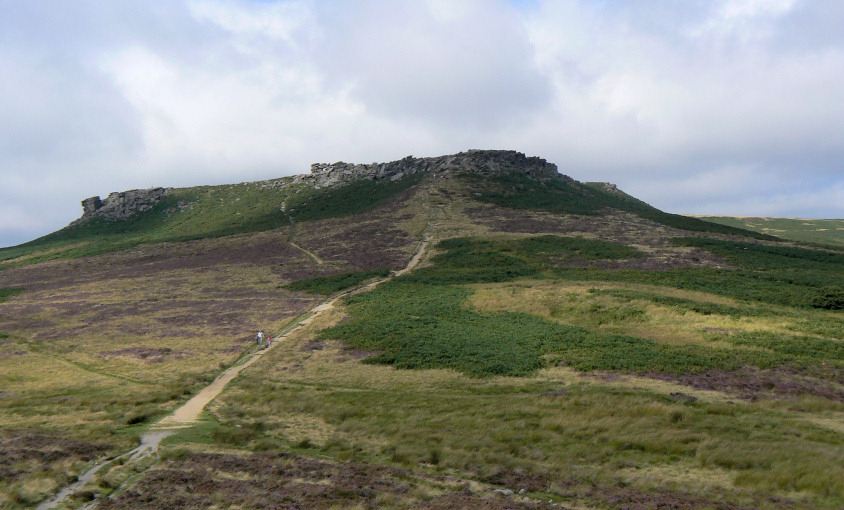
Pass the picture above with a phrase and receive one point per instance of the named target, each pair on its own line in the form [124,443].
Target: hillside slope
[505,178]
[559,341]
[826,232]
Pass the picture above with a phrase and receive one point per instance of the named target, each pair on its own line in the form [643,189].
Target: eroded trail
[307,252]
[189,412]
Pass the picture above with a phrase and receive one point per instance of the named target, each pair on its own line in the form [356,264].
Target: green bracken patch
[335,283]
[420,321]
[470,260]
[778,275]
[7,292]
[426,326]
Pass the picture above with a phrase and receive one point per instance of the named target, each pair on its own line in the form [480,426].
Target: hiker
[259,338]
[269,342]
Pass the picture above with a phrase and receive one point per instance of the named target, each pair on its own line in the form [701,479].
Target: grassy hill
[826,232]
[207,212]
[559,342]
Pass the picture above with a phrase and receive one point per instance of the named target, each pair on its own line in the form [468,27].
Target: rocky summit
[479,161]
[485,162]
[121,205]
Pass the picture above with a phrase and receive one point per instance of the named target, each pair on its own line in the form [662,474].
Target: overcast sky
[729,107]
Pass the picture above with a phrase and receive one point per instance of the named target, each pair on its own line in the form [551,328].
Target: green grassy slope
[829,232]
[216,211]
[209,211]
[519,191]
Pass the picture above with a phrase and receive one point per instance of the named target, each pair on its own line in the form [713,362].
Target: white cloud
[251,20]
[745,21]
[693,101]
[742,9]
[421,63]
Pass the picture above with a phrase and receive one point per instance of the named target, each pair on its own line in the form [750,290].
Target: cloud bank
[708,107]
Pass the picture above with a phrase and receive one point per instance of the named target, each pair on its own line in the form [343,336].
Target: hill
[823,232]
[472,330]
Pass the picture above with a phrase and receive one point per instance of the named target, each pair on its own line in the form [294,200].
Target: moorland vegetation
[561,342]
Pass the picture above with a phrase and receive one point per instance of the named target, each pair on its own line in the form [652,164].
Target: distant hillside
[505,178]
[829,232]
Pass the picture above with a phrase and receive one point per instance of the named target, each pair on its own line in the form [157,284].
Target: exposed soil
[313,345]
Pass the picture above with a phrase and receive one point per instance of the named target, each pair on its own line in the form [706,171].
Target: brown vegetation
[278,480]
[751,383]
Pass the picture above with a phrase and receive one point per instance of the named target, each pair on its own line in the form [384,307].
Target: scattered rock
[120,205]
[684,397]
[504,492]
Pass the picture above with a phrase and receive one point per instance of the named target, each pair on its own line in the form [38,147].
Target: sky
[731,107]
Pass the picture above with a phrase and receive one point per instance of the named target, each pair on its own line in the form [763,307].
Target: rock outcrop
[477,161]
[120,205]
[485,162]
